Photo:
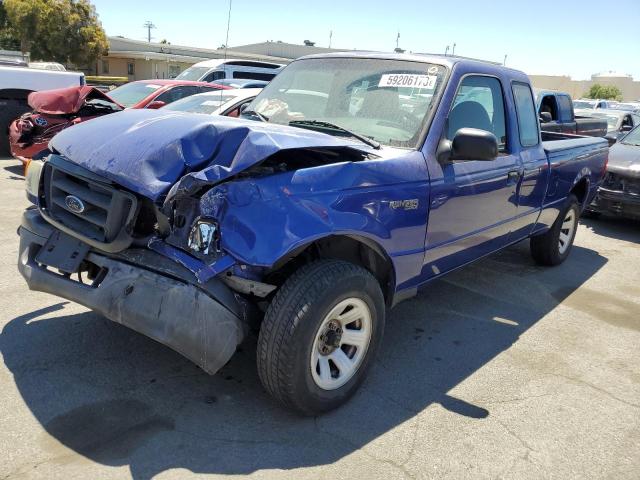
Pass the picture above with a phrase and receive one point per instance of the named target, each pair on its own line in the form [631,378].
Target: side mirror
[243,107]
[474,144]
[545,117]
[156,104]
[626,128]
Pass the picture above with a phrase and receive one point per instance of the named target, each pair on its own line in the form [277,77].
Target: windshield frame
[427,120]
[635,131]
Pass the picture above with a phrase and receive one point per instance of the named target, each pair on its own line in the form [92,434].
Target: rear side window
[253,75]
[564,102]
[526,112]
[479,104]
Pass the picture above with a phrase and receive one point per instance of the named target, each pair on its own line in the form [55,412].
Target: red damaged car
[55,110]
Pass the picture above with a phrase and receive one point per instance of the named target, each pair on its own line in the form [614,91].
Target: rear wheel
[553,247]
[320,335]
[9,111]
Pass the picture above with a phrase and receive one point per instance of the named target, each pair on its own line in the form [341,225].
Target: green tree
[605,92]
[8,38]
[65,31]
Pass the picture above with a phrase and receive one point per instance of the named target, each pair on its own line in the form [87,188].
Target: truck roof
[445,60]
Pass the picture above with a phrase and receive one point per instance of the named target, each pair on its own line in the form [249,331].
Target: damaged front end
[151,244]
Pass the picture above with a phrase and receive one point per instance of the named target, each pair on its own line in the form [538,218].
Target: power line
[149,25]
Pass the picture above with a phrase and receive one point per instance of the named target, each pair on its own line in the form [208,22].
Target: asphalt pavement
[503,369]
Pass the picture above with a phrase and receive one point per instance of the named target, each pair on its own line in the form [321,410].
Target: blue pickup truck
[349,182]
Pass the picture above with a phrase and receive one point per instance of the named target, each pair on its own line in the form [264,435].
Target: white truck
[15,86]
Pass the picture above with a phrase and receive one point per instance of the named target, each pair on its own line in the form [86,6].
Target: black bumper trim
[172,312]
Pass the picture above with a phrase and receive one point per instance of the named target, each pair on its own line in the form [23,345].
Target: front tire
[553,247]
[320,335]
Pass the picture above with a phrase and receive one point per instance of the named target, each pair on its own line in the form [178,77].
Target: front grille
[107,212]
[623,184]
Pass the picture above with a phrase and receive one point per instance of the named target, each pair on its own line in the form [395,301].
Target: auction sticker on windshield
[408,80]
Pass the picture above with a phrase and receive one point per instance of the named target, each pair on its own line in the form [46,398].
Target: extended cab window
[526,113]
[564,103]
[479,104]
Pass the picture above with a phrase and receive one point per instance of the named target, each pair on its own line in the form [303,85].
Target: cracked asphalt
[501,370]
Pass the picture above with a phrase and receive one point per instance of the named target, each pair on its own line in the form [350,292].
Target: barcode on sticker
[408,80]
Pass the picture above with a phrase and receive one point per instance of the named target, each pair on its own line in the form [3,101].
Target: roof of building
[121,46]
[283,49]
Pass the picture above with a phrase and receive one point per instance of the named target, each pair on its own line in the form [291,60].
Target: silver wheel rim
[566,231]
[341,343]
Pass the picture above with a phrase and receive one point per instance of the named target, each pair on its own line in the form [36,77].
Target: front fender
[265,219]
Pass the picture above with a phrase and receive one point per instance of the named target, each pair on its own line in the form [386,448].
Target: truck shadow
[613,227]
[118,398]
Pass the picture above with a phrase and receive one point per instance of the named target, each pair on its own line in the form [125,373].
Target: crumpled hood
[147,151]
[624,159]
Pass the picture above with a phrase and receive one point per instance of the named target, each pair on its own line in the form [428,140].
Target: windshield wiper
[332,126]
[253,113]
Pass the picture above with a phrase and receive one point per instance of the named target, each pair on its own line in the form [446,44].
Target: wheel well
[356,250]
[580,190]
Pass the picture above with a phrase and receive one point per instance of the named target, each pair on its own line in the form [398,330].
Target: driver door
[474,202]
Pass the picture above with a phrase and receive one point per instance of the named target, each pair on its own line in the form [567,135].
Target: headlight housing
[204,237]
[33,173]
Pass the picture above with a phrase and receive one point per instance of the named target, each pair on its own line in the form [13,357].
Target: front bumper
[203,324]
[616,203]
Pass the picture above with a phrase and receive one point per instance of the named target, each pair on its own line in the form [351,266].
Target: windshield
[612,120]
[623,106]
[632,138]
[206,103]
[384,100]
[585,105]
[193,73]
[131,93]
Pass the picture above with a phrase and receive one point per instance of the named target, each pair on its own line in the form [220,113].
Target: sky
[540,37]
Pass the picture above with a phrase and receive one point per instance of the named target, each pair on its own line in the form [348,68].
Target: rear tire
[320,335]
[9,111]
[553,247]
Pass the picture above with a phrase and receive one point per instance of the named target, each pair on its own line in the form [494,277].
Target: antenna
[149,25]
[330,37]
[398,40]
[453,50]
[446,50]
[504,62]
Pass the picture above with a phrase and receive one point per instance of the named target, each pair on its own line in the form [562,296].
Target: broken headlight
[204,237]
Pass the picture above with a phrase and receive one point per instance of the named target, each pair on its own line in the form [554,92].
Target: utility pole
[149,25]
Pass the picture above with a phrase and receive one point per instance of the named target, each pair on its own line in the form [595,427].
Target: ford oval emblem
[74,204]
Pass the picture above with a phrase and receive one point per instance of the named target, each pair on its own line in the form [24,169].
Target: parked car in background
[627,107]
[242,83]
[158,93]
[54,66]
[227,102]
[619,122]
[620,192]
[53,111]
[309,217]
[213,70]
[16,83]
[584,104]
[556,113]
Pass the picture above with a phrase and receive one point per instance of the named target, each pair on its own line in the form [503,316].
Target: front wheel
[553,247]
[320,335]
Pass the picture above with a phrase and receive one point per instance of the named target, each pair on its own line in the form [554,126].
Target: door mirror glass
[545,117]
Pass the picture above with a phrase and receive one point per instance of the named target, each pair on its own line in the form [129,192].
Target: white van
[212,70]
